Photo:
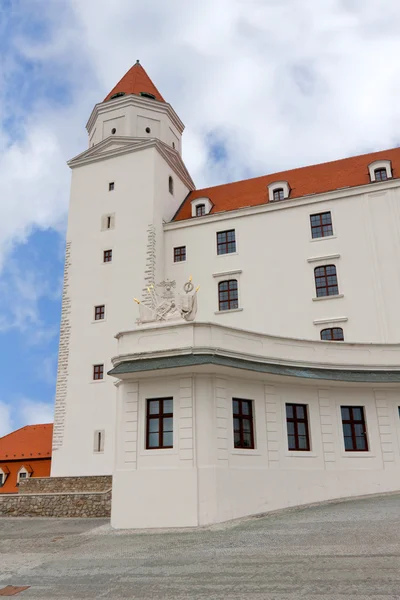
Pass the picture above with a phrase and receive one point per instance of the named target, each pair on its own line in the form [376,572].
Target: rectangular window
[297,427]
[1,479]
[159,423]
[226,242]
[180,254]
[98,441]
[321,225]
[354,429]
[326,283]
[22,475]
[99,312]
[228,298]
[243,431]
[111,186]
[98,372]
[200,210]
[107,256]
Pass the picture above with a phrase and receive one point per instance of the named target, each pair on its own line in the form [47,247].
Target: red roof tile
[135,81]
[31,441]
[315,179]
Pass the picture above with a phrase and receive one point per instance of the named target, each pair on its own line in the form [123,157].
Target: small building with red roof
[24,453]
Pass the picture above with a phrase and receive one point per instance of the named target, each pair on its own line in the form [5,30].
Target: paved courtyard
[348,550]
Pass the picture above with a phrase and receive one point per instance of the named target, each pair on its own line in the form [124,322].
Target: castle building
[274,383]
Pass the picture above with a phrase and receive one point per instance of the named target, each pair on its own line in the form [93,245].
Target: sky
[261,85]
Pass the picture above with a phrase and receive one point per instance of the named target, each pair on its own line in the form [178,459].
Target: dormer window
[117,95]
[147,95]
[380,175]
[200,210]
[380,170]
[201,207]
[278,195]
[278,190]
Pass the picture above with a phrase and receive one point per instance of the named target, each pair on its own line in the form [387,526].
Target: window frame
[296,420]
[160,416]
[321,225]
[178,255]
[107,255]
[278,194]
[332,339]
[241,417]
[102,313]
[98,369]
[200,210]
[352,422]
[326,286]
[225,244]
[229,300]
[380,170]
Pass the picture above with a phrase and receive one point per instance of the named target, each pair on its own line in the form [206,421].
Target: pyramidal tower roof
[135,81]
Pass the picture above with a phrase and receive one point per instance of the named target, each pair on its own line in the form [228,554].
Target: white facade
[125,191]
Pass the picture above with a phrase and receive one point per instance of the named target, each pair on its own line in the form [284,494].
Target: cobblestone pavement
[343,551]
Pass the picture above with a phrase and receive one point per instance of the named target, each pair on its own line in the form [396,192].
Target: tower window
[113,130]
[108,222]
[107,256]
[228,298]
[180,254]
[111,186]
[147,95]
[159,425]
[321,225]
[278,194]
[381,175]
[148,130]
[98,372]
[326,281]
[332,334]
[170,185]
[173,145]
[98,445]
[226,242]
[354,429]
[99,312]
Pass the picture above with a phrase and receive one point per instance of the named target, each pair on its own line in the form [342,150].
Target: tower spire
[137,82]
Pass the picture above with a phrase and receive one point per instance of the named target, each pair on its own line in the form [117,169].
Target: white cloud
[5,419]
[23,411]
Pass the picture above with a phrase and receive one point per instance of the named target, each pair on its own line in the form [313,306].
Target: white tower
[123,187]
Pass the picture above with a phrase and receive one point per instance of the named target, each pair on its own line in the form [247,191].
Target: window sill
[223,312]
[328,297]
[325,237]
[158,451]
[300,454]
[227,254]
[179,262]
[98,381]
[244,452]
[99,321]
[357,454]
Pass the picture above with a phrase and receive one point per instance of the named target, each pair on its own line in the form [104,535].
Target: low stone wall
[55,485]
[84,505]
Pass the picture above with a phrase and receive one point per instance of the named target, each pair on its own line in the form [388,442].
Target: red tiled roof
[36,467]
[31,441]
[315,179]
[135,81]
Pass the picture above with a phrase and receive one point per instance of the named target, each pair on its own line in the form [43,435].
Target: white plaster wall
[205,480]
[276,279]
[136,201]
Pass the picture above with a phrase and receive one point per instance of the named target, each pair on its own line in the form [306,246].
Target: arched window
[279,194]
[228,295]
[326,281]
[200,210]
[380,175]
[332,334]
[171,185]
